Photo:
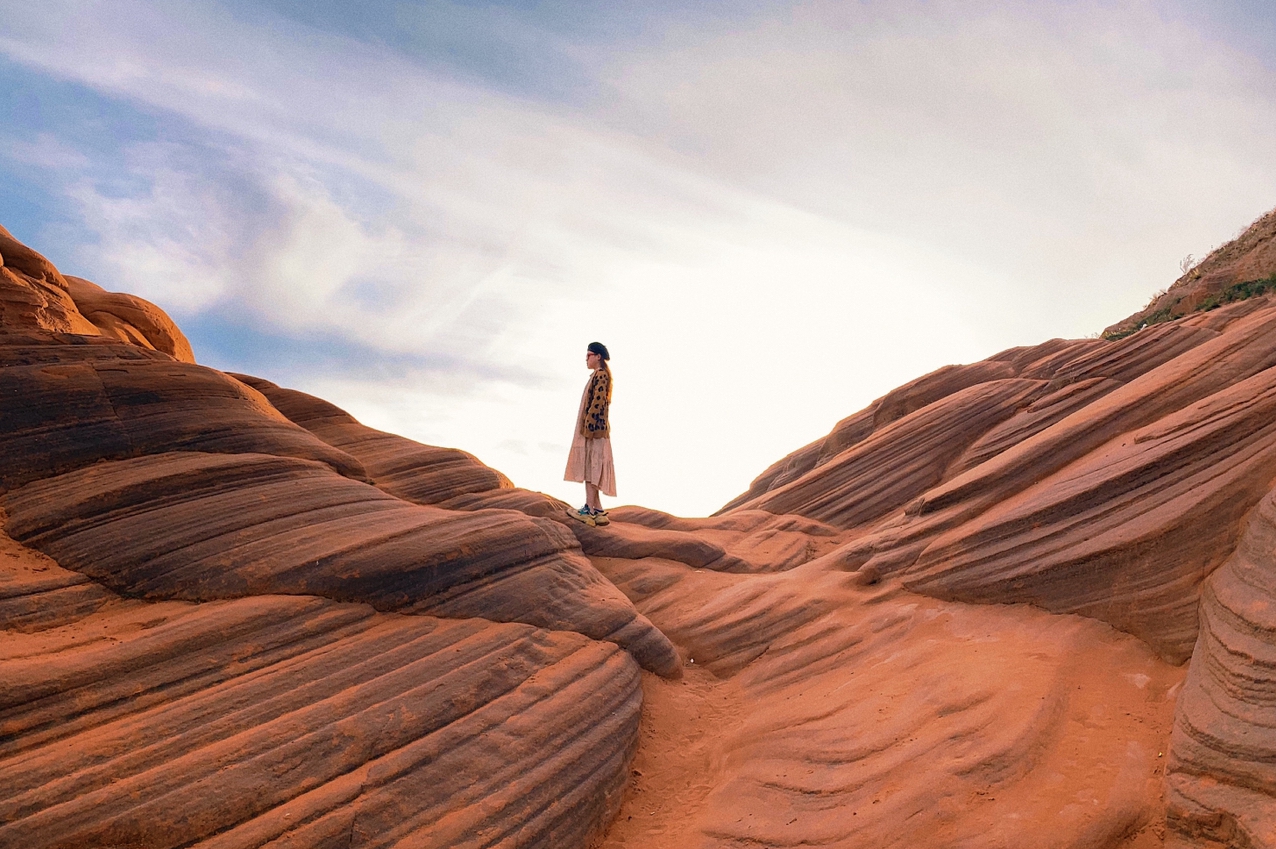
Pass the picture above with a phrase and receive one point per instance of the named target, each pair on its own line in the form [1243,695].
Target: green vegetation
[1236,292]
[1239,292]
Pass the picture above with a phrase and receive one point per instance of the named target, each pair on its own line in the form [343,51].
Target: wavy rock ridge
[235,616]
[244,641]
[283,720]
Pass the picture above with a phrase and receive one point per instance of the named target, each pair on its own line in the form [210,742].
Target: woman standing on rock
[590,457]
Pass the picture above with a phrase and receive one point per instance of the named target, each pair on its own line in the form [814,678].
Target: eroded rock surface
[34,295]
[79,400]
[425,474]
[959,620]
[249,639]
[1222,782]
[1110,481]
[202,526]
[296,721]
[846,716]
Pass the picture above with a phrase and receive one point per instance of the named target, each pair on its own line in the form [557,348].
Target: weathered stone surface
[1111,489]
[901,460]
[130,319]
[455,480]
[37,594]
[1126,533]
[854,429]
[834,715]
[72,401]
[33,294]
[287,629]
[36,296]
[263,711]
[425,474]
[189,525]
[1075,372]
[295,721]
[751,540]
[1222,769]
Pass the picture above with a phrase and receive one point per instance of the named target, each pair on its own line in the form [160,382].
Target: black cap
[600,349]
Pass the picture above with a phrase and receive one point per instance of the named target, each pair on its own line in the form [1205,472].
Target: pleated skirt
[590,462]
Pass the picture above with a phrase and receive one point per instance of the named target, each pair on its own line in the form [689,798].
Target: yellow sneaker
[582,515]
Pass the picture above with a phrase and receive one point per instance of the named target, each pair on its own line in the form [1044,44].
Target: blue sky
[771,212]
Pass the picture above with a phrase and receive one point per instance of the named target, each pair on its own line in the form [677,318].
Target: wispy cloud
[772,212]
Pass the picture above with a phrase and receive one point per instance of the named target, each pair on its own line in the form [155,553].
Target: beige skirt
[590,462]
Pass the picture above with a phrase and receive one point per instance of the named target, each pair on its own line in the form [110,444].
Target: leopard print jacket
[593,421]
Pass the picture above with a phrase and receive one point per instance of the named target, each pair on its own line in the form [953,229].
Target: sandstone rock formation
[424,474]
[830,714]
[1248,259]
[243,641]
[296,721]
[1104,478]
[1112,482]
[1222,780]
[1022,602]
[36,296]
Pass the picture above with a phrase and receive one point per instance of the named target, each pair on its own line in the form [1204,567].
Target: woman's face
[592,360]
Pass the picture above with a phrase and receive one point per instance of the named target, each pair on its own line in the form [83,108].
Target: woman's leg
[592,500]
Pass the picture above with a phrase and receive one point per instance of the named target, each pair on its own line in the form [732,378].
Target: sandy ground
[682,754]
[891,719]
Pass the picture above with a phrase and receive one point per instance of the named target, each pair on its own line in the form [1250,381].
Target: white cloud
[770,223]
[45,151]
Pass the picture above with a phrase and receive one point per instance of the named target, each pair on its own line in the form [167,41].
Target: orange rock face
[36,296]
[1117,487]
[1222,780]
[248,636]
[424,474]
[292,720]
[1023,602]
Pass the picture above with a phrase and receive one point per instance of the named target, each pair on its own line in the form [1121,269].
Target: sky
[770,212]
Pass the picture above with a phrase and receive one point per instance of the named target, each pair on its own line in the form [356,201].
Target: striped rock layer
[1222,779]
[235,616]
[221,629]
[297,721]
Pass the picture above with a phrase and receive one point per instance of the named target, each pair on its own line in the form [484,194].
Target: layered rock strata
[745,541]
[1222,780]
[268,624]
[424,474]
[296,721]
[831,714]
[1111,482]
[34,295]
[250,639]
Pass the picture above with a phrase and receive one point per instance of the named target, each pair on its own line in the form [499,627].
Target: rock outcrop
[1095,477]
[232,615]
[424,474]
[296,721]
[250,636]
[831,714]
[36,296]
[1115,486]
[1222,770]
[1222,276]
